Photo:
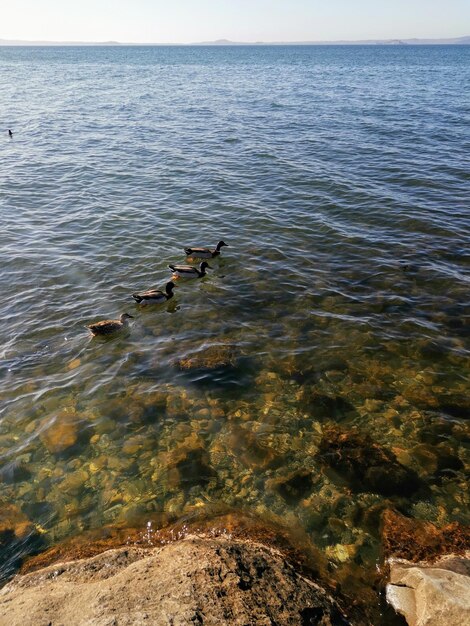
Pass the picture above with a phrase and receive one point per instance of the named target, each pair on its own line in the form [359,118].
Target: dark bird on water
[110,327]
[205,253]
[154,296]
[187,271]
[10,134]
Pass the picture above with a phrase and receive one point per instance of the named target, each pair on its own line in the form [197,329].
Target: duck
[205,253]
[110,327]
[10,134]
[154,296]
[188,271]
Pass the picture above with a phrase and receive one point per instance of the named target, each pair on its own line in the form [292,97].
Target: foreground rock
[192,581]
[427,591]
[431,594]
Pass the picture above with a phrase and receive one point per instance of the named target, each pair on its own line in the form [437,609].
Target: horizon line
[228,42]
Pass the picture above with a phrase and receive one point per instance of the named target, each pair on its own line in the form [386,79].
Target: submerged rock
[13,524]
[193,581]
[210,358]
[73,482]
[14,472]
[18,537]
[62,433]
[365,465]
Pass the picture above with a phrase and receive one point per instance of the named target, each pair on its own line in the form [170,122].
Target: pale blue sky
[167,21]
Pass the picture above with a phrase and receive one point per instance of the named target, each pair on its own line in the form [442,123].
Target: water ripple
[339,179]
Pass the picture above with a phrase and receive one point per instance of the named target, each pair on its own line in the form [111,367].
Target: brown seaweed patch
[252,450]
[327,407]
[192,470]
[188,465]
[365,465]
[416,540]
[294,487]
[457,406]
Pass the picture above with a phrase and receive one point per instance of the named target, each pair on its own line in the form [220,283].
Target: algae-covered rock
[210,358]
[415,540]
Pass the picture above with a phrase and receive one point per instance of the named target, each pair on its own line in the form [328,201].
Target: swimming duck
[205,253]
[188,271]
[109,327]
[154,296]
[10,134]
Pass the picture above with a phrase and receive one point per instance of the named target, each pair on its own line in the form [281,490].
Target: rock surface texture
[435,594]
[193,581]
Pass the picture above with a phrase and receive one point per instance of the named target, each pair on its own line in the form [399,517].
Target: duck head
[205,264]
[169,287]
[124,317]
[220,244]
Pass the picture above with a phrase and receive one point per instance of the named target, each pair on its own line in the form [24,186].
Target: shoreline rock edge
[197,580]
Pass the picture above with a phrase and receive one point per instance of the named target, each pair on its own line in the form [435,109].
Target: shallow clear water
[339,177]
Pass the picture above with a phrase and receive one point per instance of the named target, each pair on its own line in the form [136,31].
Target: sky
[186,21]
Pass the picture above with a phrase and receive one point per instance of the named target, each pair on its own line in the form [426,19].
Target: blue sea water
[339,176]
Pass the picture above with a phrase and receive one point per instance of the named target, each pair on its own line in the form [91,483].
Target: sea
[317,376]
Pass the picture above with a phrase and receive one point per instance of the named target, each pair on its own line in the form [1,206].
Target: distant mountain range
[343,42]
[226,42]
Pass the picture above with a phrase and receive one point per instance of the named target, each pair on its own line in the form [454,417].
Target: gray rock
[434,594]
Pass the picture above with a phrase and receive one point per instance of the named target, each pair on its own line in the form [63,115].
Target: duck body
[205,253]
[188,271]
[154,296]
[110,327]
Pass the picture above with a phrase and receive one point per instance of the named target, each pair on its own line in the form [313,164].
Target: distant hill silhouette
[227,42]
[342,42]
